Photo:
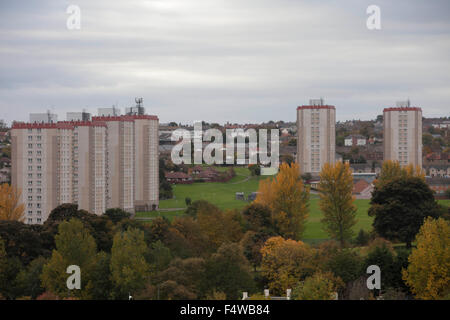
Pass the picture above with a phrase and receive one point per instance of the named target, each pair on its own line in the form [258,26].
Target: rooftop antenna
[139,102]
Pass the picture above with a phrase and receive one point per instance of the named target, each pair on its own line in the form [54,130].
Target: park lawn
[153,214]
[220,194]
[314,231]
[444,202]
[223,196]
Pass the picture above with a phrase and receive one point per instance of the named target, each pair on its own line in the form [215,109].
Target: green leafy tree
[100,277]
[336,201]
[346,264]
[129,268]
[362,238]
[24,241]
[160,256]
[258,217]
[74,246]
[228,271]
[384,258]
[200,205]
[183,279]
[100,227]
[29,278]
[117,214]
[400,206]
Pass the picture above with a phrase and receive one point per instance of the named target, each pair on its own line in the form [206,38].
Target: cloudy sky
[223,60]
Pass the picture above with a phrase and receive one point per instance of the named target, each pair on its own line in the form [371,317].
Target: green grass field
[220,194]
[223,196]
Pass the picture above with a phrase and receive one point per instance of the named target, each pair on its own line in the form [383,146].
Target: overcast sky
[223,60]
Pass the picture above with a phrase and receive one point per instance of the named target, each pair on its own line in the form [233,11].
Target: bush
[362,238]
[321,286]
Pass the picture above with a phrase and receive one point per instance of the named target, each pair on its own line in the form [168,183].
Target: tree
[23,241]
[258,218]
[3,268]
[320,286]
[345,264]
[285,262]
[74,246]
[183,279]
[99,276]
[117,214]
[160,256]
[391,170]
[428,273]
[336,201]
[29,279]
[362,238]
[9,269]
[219,226]
[383,257]
[185,238]
[255,170]
[10,206]
[400,206]
[287,198]
[129,268]
[252,243]
[165,188]
[100,227]
[198,205]
[228,271]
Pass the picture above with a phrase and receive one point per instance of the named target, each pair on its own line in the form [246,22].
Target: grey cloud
[252,60]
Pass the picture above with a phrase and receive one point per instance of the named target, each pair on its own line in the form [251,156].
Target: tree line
[211,253]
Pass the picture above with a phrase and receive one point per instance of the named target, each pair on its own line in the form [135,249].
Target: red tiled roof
[360,186]
[176,175]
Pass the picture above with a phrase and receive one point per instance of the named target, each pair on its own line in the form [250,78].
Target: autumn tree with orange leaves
[285,262]
[336,201]
[287,197]
[10,206]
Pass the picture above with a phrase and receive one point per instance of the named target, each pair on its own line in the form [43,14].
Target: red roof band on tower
[316,107]
[124,118]
[99,121]
[402,109]
[58,125]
